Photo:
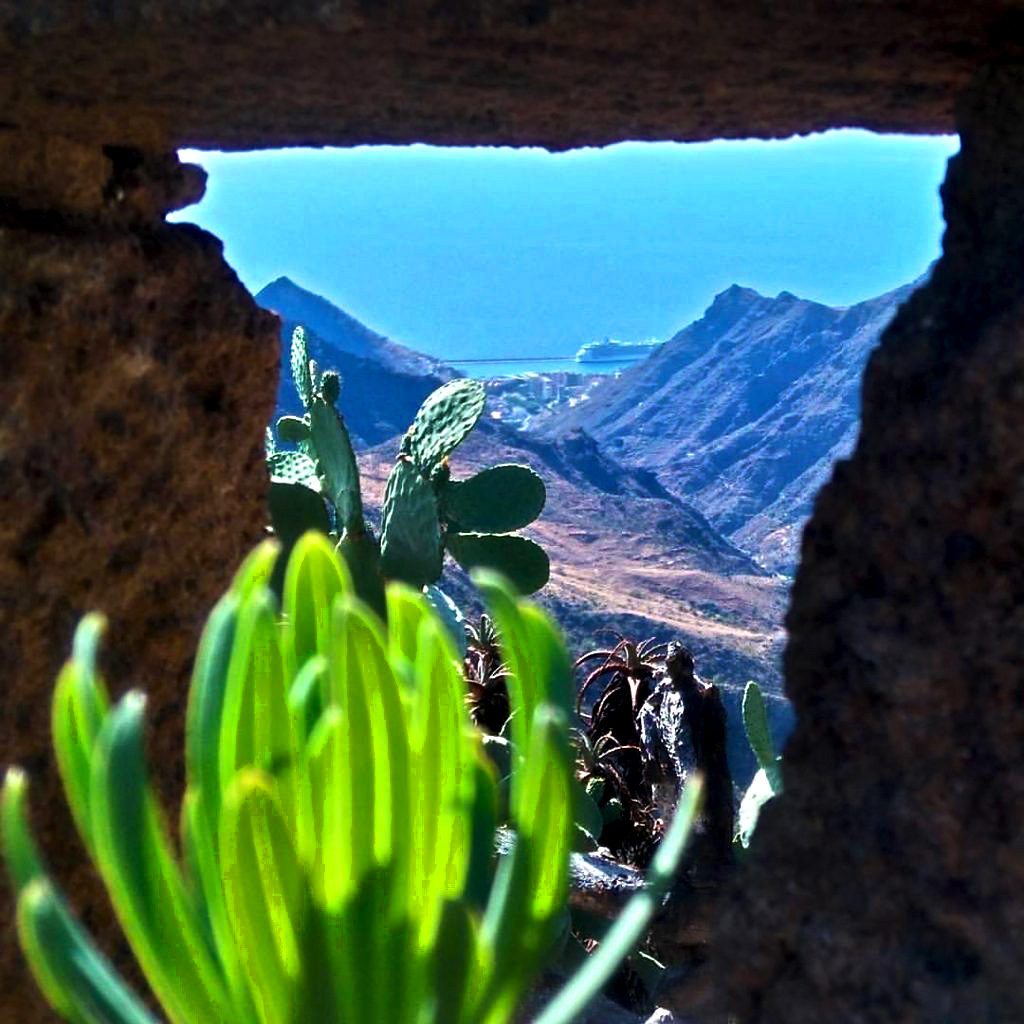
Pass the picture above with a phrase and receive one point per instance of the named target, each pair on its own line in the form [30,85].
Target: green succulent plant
[338,823]
[425,512]
[767,782]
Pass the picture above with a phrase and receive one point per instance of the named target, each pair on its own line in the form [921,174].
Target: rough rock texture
[136,377]
[248,73]
[888,882]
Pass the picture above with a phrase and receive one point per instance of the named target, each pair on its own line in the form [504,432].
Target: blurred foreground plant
[767,782]
[338,821]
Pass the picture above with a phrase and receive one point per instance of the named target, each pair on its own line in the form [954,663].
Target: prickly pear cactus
[443,422]
[330,387]
[424,510]
[767,783]
[362,556]
[755,723]
[294,509]
[336,463]
[496,500]
[410,528]
[293,468]
[301,373]
[293,429]
[524,563]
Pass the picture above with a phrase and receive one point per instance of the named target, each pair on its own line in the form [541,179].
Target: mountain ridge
[398,378]
[744,411]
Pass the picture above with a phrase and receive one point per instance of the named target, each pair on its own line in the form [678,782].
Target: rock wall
[888,881]
[243,74]
[136,378]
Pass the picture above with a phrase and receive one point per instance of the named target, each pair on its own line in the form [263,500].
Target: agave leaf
[452,963]
[79,709]
[265,893]
[135,857]
[406,610]
[20,853]
[77,979]
[483,814]
[205,709]
[535,652]
[532,883]
[319,767]
[256,570]
[315,575]
[620,940]
[359,783]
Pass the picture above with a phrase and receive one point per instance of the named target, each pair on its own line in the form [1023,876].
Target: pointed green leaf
[633,921]
[77,979]
[135,857]
[314,577]
[265,893]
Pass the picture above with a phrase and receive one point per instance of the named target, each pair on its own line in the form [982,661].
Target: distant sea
[485,369]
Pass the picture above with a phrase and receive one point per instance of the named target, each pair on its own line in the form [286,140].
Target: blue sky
[502,252]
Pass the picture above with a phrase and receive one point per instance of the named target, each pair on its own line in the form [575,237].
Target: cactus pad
[293,468]
[443,422]
[755,723]
[292,429]
[294,509]
[330,387]
[410,532]
[362,556]
[300,366]
[522,561]
[337,463]
[495,500]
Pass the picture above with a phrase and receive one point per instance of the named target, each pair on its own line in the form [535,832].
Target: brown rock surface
[136,376]
[888,881]
[559,73]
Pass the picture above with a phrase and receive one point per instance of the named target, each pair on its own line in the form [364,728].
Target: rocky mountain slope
[390,380]
[744,412]
[629,557]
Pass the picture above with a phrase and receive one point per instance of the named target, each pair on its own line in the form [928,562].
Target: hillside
[383,384]
[630,557]
[743,412]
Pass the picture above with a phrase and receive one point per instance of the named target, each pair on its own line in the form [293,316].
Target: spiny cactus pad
[524,563]
[410,532]
[294,509]
[293,468]
[330,387]
[755,723]
[495,500]
[443,422]
[336,462]
[292,429]
[300,366]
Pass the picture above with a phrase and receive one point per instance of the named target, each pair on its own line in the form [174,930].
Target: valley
[676,489]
